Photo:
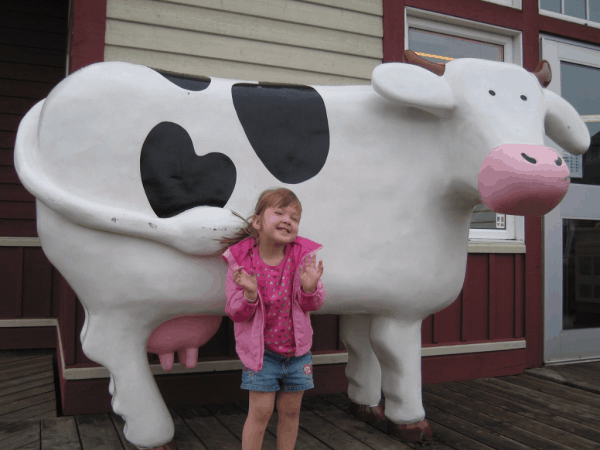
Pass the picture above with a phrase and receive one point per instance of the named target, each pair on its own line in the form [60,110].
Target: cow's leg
[117,340]
[397,344]
[363,371]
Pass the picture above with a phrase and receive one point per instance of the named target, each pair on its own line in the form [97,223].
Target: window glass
[441,48]
[575,8]
[594,10]
[580,86]
[550,5]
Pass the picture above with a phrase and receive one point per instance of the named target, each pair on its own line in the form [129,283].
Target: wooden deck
[547,408]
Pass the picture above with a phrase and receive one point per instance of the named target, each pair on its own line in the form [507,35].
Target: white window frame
[517,4]
[512,42]
[568,18]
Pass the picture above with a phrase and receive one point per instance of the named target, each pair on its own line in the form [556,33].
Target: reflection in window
[441,48]
[580,86]
[582,9]
[581,274]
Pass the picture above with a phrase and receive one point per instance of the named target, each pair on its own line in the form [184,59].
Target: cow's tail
[196,231]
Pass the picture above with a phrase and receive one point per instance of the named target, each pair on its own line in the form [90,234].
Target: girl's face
[278,225]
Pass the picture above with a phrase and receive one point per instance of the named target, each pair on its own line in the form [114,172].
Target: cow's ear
[414,86]
[564,125]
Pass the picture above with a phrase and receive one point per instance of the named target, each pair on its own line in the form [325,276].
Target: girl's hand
[248,282]
[310,274]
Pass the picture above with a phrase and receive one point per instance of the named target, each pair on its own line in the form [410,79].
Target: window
[580,11]
[440,39]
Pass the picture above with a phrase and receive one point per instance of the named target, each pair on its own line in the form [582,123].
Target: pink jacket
[249,318]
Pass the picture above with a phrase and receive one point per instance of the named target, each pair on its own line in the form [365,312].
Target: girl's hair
[271,198]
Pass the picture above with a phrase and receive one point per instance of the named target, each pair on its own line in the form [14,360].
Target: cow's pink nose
[523,180]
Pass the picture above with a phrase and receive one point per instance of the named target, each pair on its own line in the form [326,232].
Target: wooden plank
[539,400]
[357,429]
[570,425]
[285,11]
[325,332]
[213,433]
[454,439]
[192,65]
[493,423]
[45,409]
[554,373]
[253,28]
[14,192]
[19,395]
[505,291]
[492,297]
[14,105]
[427,330]
[537,434]
[41,7]
[23,88]
[475,299]
[11,386]
[31,21]
[446,327]
[10,122]
[27,403]
[581,373]
[31,366]
[373,7]
[17,228]
[11,273]
[8,175]
[37,283]
[17,210]
[15,71]
[33,446]
[59,433]
[97,432]
[471,430]
[28,337]
[204,45]
[19,434]
[558,390]
[36,39]
[518,295]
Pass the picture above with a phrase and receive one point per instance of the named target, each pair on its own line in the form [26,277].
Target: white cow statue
[136,174]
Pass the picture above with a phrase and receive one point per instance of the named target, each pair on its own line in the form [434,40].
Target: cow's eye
[523,98]
[492,93]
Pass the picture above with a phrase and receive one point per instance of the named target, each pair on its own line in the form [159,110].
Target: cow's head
[495,115]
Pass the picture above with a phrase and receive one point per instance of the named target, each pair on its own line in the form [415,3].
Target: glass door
[572,230]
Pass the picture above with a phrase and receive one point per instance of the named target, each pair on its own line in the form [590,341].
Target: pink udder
[182,335]
[523,180]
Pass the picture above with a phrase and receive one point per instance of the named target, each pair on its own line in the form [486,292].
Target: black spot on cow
[186,82]
[286,126]
[176,179]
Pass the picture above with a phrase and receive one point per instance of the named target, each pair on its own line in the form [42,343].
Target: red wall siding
[33,38]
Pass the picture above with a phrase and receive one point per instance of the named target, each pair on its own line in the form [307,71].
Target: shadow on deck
[555,407]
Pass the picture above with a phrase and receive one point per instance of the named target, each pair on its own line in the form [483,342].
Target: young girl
[273,282]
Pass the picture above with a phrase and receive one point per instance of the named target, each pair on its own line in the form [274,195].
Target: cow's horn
[543,73]
[412,58]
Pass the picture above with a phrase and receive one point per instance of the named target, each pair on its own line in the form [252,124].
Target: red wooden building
[519,307]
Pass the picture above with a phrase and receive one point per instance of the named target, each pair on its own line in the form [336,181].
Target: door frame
[581,202]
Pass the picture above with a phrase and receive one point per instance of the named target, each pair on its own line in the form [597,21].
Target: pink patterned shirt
[275,286]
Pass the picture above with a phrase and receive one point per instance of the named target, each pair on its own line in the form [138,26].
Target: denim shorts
[285,373]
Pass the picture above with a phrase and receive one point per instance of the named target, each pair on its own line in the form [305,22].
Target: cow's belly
[112,271]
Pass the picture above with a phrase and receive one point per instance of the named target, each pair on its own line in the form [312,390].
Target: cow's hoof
[419,432]
[168,446]
[369,413]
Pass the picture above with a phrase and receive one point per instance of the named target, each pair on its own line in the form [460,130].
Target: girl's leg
[288,411]
[260,409]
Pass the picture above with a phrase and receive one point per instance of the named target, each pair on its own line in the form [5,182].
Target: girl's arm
[238,308]
[314,301]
